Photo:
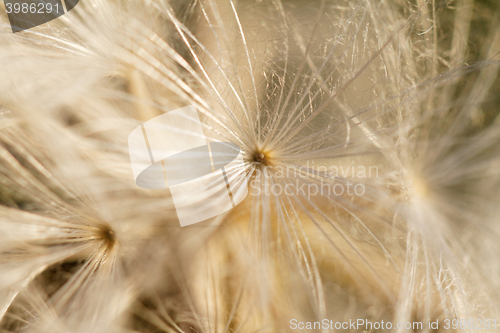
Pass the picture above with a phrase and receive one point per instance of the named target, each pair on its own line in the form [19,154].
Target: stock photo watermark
[367,325]
[171,151]
[311,180]
[207,178]
[27,14]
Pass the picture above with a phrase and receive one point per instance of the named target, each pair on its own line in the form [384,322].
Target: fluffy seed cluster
[371,144]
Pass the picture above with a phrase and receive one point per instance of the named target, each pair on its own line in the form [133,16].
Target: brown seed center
[260,158]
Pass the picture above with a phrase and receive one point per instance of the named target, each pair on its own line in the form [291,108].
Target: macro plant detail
[369,141]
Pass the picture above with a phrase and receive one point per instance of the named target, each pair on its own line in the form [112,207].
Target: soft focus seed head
[107,235]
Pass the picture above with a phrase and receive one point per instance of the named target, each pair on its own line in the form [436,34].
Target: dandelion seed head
[261,158]
[419,188]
